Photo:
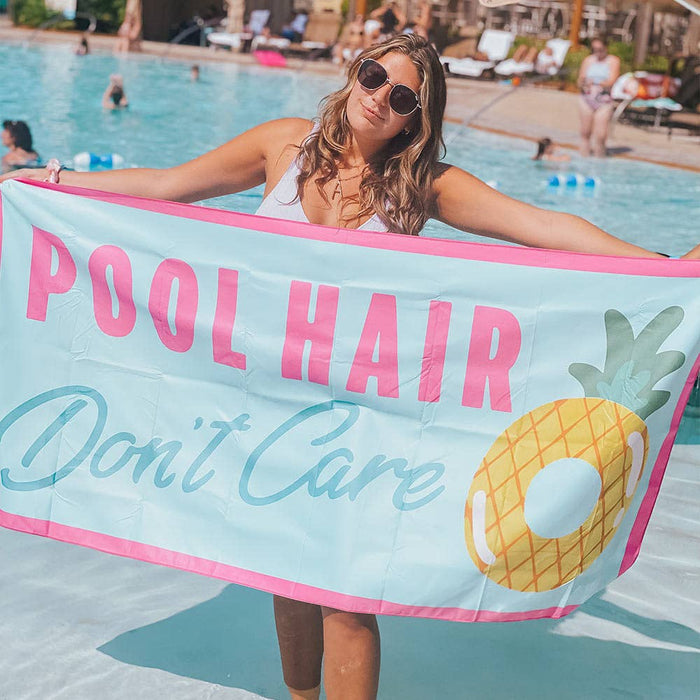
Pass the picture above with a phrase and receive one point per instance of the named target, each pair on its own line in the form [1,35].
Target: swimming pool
[172,119]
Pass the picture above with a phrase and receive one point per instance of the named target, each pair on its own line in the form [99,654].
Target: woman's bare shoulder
[446,174]
[285,131]
[283,137]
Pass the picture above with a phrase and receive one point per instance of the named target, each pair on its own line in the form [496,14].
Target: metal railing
[200,25]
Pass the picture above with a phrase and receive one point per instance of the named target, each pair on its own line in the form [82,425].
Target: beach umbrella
[646,13]
[692,5]
[674,6]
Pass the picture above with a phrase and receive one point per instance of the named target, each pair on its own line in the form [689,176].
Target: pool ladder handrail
[199,26]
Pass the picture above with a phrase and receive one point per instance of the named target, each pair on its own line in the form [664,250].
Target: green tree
[108,12]
[29,12]
[32,13]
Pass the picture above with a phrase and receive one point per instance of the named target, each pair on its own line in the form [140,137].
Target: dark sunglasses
[402,100]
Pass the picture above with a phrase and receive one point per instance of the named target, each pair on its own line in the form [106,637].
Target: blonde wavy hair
[398,185]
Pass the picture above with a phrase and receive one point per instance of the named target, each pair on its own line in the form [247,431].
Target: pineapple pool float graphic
[606,429]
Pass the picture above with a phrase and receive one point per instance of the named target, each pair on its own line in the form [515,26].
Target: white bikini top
[283,203]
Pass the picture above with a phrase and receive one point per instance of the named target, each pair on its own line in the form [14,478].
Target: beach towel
[368,421]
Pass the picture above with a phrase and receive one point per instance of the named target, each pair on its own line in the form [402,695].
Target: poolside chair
[237,41]
[521,62]
[464,47]
[321,34]
[548,62]
[494,45]
[265,42]
[642,100]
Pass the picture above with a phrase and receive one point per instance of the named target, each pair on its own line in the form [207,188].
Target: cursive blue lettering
[101,451]
[331,476]
[413,484]
[149,453]
[225,428]
[244,483]
[58,424]
[411,481]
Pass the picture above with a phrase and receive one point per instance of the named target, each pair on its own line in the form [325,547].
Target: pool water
[171,119]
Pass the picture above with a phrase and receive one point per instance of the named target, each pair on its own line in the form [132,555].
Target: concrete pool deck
[524,112]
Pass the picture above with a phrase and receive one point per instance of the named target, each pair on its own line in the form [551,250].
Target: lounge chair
[494,45]
[263,42]
[548,62]
[521,62]
[465,47]
[237,41]
[321,34]
[685,120]
[642,100]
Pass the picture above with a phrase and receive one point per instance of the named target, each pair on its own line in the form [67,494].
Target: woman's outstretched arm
[466,203]
[237,165]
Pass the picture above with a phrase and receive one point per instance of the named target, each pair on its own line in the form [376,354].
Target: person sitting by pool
[546,62]
[17,137]
[114,96]
[129,33]
[524,55]
[371,162]
[391,18]
[547,150]
[351,41]
[373,32]
[423,23]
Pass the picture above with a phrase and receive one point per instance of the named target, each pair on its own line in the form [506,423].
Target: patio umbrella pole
[575,27]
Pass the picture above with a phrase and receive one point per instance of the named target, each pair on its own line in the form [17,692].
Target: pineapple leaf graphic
[626,384]
[633,365]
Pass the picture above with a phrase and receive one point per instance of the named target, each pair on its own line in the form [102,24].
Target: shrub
[624,51]
[109,13]
[31,13]
[572,62]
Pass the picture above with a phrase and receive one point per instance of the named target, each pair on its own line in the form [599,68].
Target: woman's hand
[41,174]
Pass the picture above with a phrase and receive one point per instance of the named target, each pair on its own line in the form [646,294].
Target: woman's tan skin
[348,642]
[262,155]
